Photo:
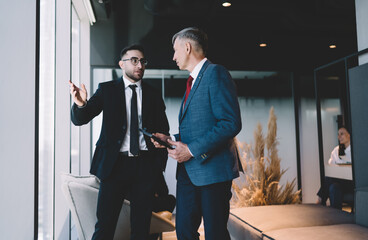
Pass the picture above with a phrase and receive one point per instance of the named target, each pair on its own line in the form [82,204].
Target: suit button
[119,142]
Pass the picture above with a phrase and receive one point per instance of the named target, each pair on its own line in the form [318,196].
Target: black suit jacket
[110,99]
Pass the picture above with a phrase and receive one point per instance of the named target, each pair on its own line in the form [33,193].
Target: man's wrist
[85,103]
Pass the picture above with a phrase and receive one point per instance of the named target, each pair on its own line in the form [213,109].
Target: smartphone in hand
[166,144]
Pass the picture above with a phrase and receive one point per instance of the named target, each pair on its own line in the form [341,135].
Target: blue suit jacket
[208,124]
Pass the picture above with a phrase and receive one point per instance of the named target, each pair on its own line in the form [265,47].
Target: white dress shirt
[196,70]
[128,97]
[336,159]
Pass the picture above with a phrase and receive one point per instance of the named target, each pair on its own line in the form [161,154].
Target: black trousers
[134,176]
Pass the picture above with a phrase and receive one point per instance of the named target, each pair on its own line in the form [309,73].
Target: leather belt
[126,154]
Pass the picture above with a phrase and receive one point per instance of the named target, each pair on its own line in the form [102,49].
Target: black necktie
[134,137]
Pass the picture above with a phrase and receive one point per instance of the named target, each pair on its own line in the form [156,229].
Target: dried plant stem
[259,185]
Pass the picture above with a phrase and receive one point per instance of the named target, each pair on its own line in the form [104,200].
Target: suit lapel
[192,91]
[121,98]
[145,104]
[181,107]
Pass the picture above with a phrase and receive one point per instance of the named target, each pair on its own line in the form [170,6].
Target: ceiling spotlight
[263,44]
[332,46]
[226,3]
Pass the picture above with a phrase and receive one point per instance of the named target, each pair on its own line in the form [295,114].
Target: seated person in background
[341,153]
[334,188]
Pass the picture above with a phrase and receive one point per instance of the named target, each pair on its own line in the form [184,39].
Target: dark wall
[298,34]
[358,88]
[119,23]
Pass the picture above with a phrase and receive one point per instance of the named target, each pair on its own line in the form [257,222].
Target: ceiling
[297,32]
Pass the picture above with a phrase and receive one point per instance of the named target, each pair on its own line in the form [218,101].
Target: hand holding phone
[163,143]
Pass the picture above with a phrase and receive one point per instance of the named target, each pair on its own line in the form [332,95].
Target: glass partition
[47,119]
[331,87]
[75,131]
[257,91]
[332,101]
[75,71]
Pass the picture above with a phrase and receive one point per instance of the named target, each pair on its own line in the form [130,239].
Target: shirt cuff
[82,106]
[174,139]
[190,151]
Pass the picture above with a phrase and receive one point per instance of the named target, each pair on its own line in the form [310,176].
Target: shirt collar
[127,83]
[197,68]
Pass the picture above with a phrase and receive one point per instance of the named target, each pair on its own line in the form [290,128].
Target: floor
[172,235]
[347,209]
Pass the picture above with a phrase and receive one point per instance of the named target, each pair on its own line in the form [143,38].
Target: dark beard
[132,77]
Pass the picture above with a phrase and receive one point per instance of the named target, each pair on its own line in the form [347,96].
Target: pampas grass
[259,185]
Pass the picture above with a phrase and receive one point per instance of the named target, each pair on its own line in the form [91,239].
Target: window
[60,60]
[46,119]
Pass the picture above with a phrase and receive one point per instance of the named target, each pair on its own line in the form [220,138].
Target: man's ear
[121,64]
[188,47]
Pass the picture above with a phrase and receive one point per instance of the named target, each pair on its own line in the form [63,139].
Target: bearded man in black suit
[125,161]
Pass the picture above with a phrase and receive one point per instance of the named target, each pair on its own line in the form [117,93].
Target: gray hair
[199,38]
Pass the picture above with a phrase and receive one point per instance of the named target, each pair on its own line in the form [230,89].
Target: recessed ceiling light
[263,44]
[332,46]
[226,3]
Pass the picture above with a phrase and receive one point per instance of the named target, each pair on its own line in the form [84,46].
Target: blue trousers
[334,189]
[194,202]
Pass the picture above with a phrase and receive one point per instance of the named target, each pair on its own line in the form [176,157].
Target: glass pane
[75,130]
[258,92]
[46,117]
[332,92]
[75,71]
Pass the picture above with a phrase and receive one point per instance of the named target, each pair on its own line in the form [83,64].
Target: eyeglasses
[135,60]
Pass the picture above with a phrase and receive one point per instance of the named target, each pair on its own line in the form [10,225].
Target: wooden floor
[172,235]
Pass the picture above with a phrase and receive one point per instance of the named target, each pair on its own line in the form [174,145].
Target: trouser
[335,189]
[133,176]
[194,202]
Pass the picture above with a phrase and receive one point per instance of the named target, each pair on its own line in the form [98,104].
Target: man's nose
[140,64]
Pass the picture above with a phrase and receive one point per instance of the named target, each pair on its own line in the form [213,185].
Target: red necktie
[189,87]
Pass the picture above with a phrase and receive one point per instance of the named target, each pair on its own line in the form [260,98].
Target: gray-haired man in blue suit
[209,119]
